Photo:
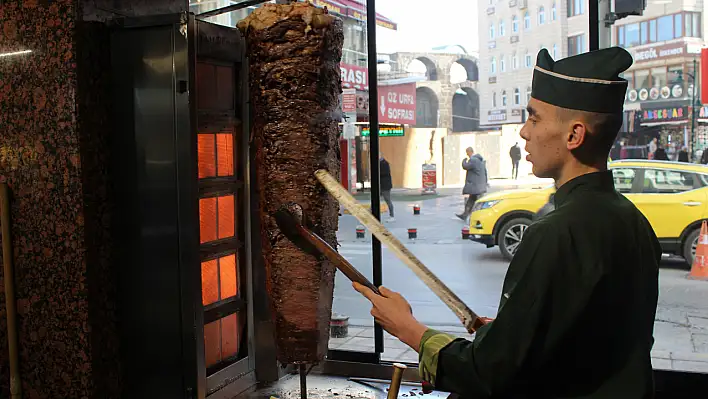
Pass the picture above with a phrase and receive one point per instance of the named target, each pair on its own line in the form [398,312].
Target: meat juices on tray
[294,51]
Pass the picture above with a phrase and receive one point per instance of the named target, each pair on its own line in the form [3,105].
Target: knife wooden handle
[342,264]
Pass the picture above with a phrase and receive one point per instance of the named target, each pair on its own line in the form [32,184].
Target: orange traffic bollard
[699,269]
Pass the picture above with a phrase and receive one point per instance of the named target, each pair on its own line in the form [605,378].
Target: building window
[527,59]
[514,61]
[554,12]
[493,66]
[502,64]
[517,96]
[575,7]
[528,94]
[555,51]
[494,99]
[503,98]
[515,24]
[502,28]
[576,45]
[667,27]
[491,30]
[541,16]
[527,20]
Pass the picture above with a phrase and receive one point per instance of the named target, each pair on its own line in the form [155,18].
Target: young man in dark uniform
[577,310]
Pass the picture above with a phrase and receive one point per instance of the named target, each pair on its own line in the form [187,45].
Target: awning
[353,9]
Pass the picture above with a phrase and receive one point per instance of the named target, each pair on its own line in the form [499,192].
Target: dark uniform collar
[596,181]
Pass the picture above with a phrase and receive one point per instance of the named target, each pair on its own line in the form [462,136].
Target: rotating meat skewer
[303,382]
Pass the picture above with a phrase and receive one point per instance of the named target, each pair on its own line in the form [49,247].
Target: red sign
[349,100]
[430,178]
[397,104]
[355,76]
[704,75]
[331,7]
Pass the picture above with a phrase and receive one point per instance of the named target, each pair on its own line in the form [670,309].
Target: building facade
[664,80]
[513,33]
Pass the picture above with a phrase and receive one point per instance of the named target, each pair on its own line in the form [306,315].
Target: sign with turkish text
[361,16]
[348,100]
[669,114]
[331,7]
[354,76]
[397,104]
[385,131]
[497,115]
[430,177]
[658,52]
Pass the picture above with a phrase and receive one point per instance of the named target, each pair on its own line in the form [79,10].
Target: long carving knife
[470,320]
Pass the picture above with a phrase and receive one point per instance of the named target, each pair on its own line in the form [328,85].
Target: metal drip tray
[327,387]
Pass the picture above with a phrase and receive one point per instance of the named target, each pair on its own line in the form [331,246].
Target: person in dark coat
[386,185]
[660,154]
[594,257]
[704,157]
[475,180]
[515,154]
[683,155]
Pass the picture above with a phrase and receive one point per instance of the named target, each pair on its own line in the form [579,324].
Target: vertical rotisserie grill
[294,52]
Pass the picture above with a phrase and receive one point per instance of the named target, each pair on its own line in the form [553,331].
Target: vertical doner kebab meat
[294,52]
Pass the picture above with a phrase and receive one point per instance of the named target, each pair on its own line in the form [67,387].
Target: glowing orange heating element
[217,218]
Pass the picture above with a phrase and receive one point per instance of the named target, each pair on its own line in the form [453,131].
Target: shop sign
[397,104]
[331,7]
[490,10]
[380,22]
[362,103]
[514,39]
[497,115]
[385,131]
[512,3]
[492,79]
[430,178]
[348,100]
[665,114]
[658,52]
[492,44]
[354,76]
[703,113]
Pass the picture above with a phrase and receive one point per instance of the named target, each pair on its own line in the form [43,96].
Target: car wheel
[689,246]
[510,236]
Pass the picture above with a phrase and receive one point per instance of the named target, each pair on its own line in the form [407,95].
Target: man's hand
[395,315]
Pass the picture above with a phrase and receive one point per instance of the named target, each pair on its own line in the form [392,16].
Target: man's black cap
[586,82]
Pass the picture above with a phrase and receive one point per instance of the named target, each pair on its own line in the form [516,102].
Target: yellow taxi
[672,195]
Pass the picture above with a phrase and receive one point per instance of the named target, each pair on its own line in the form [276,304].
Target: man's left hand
[395,315]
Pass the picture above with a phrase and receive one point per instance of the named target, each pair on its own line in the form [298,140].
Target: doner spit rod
[469,319]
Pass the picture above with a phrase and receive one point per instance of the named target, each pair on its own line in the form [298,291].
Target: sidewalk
[361,339]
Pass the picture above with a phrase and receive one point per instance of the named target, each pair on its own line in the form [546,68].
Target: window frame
[689,26]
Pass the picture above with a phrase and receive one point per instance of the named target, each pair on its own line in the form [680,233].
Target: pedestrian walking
[660,154]
[515,155]
[683,155]
[475,180]
[386,185]
[594,257]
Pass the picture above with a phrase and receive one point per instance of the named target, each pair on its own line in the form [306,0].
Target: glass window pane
[230,336]
[688,21]
[678,25]
[206,155]
[210,282]
[632,35]
[228,273]
[658,77]
[665,29]
[207,219]
[212,343]
[641,79]
[620,36]
[696,25]
[227,220]
[225,151]
[652,30]
[644,28]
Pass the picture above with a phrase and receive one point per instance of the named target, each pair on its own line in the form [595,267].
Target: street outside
[476,273]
